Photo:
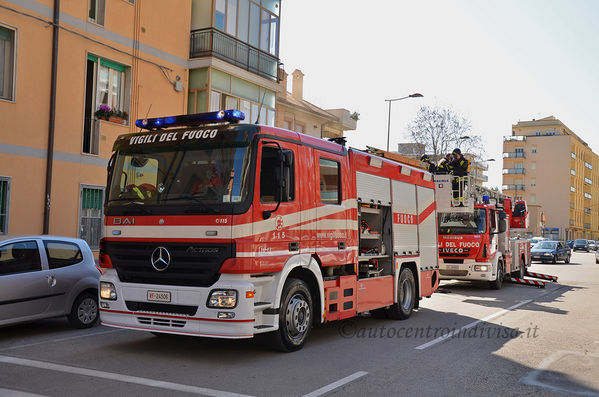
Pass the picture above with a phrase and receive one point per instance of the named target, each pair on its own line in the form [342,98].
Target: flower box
[115,119]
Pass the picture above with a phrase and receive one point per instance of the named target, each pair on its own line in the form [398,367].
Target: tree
[440,131]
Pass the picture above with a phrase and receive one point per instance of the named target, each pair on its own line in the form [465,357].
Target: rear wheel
[498,282]
[406,296]
[84,313]
[295,317]
[554,260]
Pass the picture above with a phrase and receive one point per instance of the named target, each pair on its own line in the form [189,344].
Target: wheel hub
[87,311]
[297,315]
[406,294]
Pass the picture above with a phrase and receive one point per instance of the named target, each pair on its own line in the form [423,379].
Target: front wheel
[406,296]
[295,317]
[499,280]
[567,260]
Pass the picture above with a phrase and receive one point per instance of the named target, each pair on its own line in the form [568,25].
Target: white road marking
[531,378]
[61,339]
[17,393]
[448,335]
[117,377]
[335,385]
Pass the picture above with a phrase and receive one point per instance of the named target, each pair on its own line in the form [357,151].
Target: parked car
[596,256]
[47,276]
[571,243]
[550,251]
[592,245]
[535,240]
[581,245]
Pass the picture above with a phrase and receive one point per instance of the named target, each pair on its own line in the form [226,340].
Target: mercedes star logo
[160,259]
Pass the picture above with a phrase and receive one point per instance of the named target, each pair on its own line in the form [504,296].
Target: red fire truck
[476,240]
[222,229]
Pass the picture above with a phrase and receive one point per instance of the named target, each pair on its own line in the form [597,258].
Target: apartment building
[547,164]
[71,80]
[297,114]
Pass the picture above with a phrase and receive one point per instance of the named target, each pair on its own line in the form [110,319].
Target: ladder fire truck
[222,229]
[479,236]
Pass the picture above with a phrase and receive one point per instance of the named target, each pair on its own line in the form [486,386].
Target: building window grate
[90,219]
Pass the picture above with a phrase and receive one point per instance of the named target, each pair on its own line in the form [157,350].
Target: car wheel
[406,296]
[499,280]
[84,313]
[554,260]
[567,260]
[295,317]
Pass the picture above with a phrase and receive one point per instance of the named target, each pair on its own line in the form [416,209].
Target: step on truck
[476,242]
[222,229]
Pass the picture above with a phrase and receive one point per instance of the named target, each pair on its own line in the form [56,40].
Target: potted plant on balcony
[104,112]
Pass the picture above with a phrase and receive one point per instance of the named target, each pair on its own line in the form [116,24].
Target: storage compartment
[375,243]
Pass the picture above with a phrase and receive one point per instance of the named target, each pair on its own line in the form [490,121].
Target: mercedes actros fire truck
[223,229]
[479,237]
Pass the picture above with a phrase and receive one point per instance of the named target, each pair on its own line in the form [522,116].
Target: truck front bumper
[186,312]
[469,270]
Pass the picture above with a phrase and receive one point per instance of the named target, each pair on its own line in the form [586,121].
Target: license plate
[453,267]
[159,296]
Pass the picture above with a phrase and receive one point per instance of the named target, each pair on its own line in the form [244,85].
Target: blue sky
[493,62]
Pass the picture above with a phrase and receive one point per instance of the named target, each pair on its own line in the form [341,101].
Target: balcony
[513,170]
[514,138]
[514,187]
[514,155]
[211,42]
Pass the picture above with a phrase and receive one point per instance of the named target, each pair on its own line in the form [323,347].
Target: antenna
[260,108]
[147,113]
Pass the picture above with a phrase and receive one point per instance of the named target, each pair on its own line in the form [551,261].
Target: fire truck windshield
[164,178]
[463,223]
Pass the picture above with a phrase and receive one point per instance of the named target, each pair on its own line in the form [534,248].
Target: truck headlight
[481,268]
[223,298]
[107,291]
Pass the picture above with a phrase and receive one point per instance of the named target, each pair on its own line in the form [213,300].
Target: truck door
[277,206]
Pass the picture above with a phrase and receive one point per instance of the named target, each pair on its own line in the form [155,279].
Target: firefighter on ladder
[459,167]
[432,168]
[444,165]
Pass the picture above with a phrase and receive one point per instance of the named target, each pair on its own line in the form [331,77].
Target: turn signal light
[250,294]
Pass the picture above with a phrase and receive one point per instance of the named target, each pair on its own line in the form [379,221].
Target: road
[520,340]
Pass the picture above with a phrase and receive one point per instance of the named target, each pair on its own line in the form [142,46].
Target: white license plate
[453,267]
[159,296]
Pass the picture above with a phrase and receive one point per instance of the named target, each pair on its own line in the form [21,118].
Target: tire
[520,272]
[406,296]
[84,313]
[567,260]
[554,260]
[295,317]
[498,282]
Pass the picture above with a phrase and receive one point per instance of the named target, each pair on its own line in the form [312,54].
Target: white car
[535,240]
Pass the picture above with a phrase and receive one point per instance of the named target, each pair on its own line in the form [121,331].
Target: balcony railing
[513,187]
[211,42]
[513,170]
[514,155]
[514,138]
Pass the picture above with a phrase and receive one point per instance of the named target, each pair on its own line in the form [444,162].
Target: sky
[492,62]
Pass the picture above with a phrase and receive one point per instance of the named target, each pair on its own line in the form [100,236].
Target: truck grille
[192,264]
[453,272]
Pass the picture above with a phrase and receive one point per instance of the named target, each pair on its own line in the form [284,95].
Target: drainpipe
[52,117]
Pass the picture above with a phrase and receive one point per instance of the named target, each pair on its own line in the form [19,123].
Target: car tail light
[103,257]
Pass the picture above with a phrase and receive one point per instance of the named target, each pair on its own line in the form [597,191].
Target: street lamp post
[416,95]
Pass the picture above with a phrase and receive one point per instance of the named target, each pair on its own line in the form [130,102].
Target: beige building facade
[547,164]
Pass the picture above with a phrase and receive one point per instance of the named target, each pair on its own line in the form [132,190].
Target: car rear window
[62,253]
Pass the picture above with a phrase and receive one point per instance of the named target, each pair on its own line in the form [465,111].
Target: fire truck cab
[221,229]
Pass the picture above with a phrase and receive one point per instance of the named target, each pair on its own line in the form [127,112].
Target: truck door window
[493,220]
[270,171]
[330,181]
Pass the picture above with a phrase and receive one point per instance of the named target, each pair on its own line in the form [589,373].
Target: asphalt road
[465,340]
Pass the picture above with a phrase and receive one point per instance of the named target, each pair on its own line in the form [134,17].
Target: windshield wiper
[195,200]
[139,205]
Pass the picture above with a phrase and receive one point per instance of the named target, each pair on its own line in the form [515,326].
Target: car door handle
[51,281]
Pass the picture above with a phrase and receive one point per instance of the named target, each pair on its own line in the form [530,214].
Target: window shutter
[112,65]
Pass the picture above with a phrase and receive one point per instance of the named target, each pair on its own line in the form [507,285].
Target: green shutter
[6,34]
[91,57]
[91,199]
[112,65]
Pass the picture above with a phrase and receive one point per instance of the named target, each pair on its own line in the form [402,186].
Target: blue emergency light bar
[231,116]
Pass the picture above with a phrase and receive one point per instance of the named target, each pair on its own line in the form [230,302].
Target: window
[62,253]
[519,150]
[587,180]
[19,257]
[573,172]
[90,215]
[518,165]
[587,210]
[588,196]
[534,149]
[270,175]
[573,155]
[104,91]
[571,205]
[533,166]
[588,165]
[4,200]
[533,199]
[7,63]
[96,11]
[533,182]
[572,189]
[330,181]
